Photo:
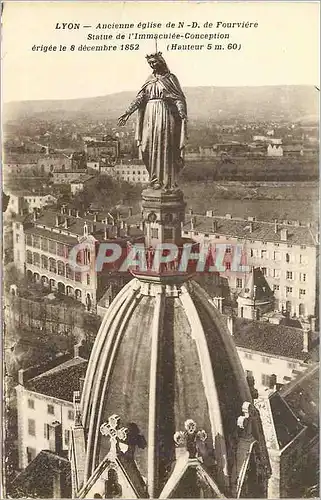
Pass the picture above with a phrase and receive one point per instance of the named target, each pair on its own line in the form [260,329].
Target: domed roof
[164,355]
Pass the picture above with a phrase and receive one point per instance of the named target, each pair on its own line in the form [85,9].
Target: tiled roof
[76,227]
[63,238]
[36,479]
[302,395]
[261,230]
[277,340]
[61,381]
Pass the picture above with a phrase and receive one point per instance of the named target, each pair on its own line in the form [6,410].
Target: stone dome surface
[163,355]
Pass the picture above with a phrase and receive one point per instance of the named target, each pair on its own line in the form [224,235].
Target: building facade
[29,201]
[63,177]
[53,162]
[44,406]
[35,164]
[133,171]
[273,354]
[42,248]
[78,185]
[19,170]
[105,151]
[285,252]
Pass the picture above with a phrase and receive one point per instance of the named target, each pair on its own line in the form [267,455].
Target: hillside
[266,103]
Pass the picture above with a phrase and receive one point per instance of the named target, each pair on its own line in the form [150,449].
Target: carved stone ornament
[117,435]
[190,438]
[244,421]
[152,217]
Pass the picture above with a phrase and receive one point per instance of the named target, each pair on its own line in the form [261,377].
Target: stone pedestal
[163,215]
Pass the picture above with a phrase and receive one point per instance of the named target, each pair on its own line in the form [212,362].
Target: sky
[283,49]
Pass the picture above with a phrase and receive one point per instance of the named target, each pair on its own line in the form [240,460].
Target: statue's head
[157,62]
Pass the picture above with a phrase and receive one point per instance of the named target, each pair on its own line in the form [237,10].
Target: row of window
[289,275]
[277,256]
[217,237]
[55,267]
[267,360]
[302,247]
[289,290]
[30,200]
[51,165]
[47,245]
[239,281]
[50,409]
[49,433]
[264,359]
[134,179]
[266,380]
[263,254]
[134,172]
[276,273]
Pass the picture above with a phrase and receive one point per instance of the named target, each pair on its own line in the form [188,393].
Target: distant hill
[266,103]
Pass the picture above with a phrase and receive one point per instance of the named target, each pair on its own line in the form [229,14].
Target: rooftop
[37,478]
[61,381]
[251,230]
[63,238]
[302,395]
[276,340]
[284,426]
[76,227]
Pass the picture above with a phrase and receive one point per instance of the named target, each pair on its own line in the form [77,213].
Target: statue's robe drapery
[160,131]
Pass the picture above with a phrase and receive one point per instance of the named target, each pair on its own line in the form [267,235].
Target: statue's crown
[156,55]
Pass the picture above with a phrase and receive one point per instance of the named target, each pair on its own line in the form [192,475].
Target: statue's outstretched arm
[137,103]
